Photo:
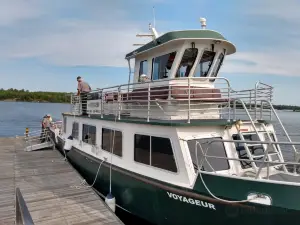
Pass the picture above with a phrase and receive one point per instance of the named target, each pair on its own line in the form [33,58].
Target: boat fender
[68,144]
[111,202]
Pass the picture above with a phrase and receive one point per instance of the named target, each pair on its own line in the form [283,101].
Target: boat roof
[184,34]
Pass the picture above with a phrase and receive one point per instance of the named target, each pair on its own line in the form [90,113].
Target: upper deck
[176,77]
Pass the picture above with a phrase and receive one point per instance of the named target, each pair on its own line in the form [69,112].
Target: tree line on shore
[35,96]
[64,97]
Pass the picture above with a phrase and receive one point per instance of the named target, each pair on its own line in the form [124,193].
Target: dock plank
[50,186]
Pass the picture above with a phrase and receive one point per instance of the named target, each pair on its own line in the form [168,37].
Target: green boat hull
[163,203]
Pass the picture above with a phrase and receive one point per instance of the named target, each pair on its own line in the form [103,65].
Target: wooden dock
[51,187]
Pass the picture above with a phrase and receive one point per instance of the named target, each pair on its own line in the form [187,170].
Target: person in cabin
[83,88]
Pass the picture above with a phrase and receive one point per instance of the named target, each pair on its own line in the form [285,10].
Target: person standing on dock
[83,88]
[45,126]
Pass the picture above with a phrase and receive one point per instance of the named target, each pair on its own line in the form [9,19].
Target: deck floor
[50,186]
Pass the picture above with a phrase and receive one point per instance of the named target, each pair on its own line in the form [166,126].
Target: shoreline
[15,100]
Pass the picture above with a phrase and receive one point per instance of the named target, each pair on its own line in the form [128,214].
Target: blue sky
[45,45]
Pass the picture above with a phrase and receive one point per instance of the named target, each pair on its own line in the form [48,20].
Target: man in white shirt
[82,89]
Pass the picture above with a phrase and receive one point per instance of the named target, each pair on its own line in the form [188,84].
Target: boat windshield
[162,66]
[205,64]
[187,62]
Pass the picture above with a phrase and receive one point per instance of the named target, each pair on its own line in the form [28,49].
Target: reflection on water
[16,116]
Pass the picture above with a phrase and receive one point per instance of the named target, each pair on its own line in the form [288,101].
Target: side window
[209,148]
[154,151]
[142,149]
[65,124]
[75,130]
[112,141]
[89,134]
[143,67]
[162,65]
[217,65]
[205,64]
[187,62]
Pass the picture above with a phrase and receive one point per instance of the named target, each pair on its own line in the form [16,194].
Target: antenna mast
[153,16]
[153,34]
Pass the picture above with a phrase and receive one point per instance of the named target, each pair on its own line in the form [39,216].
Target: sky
[45,45]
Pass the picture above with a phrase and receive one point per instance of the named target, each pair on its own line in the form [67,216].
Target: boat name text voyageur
[191,201]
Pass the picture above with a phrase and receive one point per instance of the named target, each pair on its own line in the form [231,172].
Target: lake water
[16,116]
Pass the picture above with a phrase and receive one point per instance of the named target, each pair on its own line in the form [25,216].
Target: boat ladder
[259,128]
[269,153]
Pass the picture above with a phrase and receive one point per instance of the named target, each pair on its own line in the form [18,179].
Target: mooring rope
[207,189]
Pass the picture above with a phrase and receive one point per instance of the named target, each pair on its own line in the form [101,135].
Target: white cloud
[104,35]
[275,27]
[83,44]
[271,63]
[12,11]
[287,10]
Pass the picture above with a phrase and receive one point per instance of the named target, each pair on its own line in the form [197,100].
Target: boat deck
[51,187]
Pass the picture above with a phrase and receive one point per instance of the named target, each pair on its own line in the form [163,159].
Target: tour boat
[178,145]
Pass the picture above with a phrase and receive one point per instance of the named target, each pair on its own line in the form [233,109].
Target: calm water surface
[16,116]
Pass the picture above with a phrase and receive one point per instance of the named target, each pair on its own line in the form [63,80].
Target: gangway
[33,142]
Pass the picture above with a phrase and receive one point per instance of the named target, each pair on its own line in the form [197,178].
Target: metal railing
[265,163]
[23,216]
[180,99]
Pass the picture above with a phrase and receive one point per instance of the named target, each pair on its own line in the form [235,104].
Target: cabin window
[205,64]
[143,67]
[65,124]
[154,151]
[162,66]
[209,148]
[218,65]
[89,134]
[187,62]
[142,148]
[255,149]
[112,141]
[75,130]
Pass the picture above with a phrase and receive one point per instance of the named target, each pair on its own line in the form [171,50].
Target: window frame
[171,69]
[149,165]
[199,60]
[104,127]
[217,67]
[82,133]
[142,61]
[199,51]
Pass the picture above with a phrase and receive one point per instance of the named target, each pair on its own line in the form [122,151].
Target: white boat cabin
[174,78]
[162,123]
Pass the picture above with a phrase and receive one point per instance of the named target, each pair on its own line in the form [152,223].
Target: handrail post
[250,106]
[234,110]
[229,102]
[119,103]
[149,99]
[255,100]
[102,106]
[189,100]
[261,109]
